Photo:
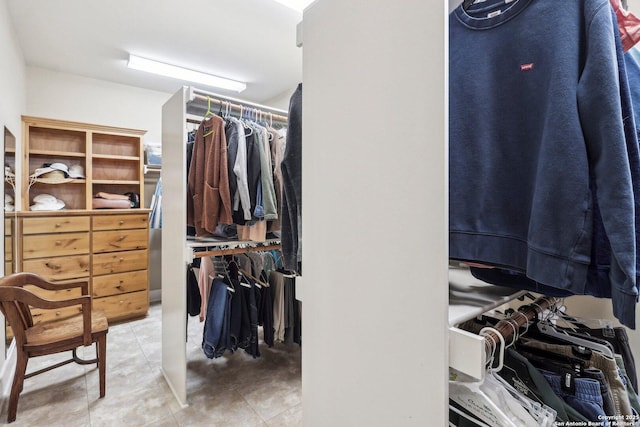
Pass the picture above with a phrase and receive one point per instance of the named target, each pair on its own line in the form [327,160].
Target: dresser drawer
[8,227]
[121,240]
[120,222]
[61,268]
[119,262]
[113,284]
[123,306]
[8,268]
[51,245]
[54,224]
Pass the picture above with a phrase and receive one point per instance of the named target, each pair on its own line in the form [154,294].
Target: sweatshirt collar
[487,14]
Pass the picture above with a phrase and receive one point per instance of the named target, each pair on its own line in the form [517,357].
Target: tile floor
[235,390]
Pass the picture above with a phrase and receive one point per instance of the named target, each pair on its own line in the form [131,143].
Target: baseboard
[6,377]
[155,295]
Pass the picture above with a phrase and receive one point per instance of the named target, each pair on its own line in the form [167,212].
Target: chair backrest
[14,303]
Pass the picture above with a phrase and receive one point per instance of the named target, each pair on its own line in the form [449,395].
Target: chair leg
[16,387]
[102,362]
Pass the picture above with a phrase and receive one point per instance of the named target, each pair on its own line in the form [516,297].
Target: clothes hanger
[544,327]
[219,263]
[547,329]
[258,281]
[470,395]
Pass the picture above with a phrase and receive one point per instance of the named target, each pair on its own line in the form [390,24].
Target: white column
[375,205]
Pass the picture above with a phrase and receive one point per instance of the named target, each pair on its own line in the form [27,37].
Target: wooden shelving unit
[112,159]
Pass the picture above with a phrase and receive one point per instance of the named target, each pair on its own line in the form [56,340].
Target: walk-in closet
[466,254]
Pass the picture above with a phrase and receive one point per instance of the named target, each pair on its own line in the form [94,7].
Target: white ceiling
[248,40]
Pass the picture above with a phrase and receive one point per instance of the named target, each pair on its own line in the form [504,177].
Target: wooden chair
[53,336]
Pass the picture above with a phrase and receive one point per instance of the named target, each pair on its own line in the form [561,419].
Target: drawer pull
[57,313]
[58,225]
[58,242]
[121,222]
[121,259]
[120,288]
[121,238]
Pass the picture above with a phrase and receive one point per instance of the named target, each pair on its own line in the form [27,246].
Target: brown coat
[208,199]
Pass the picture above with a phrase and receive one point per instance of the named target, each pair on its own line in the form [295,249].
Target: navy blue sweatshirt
[534,111]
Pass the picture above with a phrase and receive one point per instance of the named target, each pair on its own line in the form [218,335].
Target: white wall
[374,184]
[64,96]
[12,101]
[12,75]
[280,101]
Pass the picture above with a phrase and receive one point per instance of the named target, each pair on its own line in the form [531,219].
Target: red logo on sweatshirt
[526,67]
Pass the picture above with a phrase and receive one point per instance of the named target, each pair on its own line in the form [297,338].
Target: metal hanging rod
[233,251]
[525,314]
[237,104]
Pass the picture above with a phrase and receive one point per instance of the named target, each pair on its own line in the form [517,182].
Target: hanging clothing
[520,194]
[206,271]
[276,283]
[194,298]
[277,152]
[155,219]
[291,166]
[238,173]
[215,339]
[253,169]
[628,25]
[208,199]
[579,382]
[270,210]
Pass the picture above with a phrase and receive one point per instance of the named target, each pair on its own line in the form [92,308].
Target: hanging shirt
[291,233]
[208,180]
[534,108]
[277,151]
[241,198]
[266,175]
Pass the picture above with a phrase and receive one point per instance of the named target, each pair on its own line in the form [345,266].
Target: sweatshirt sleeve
[600,114]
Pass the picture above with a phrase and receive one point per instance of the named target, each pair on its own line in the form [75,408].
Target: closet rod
[233,251]
[237,104]
[524,314]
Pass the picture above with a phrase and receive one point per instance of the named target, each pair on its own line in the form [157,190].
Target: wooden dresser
[108,248]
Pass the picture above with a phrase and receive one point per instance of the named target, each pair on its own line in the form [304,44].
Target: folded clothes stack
[103,200]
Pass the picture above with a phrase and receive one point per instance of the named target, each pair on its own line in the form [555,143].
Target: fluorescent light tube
[167,70]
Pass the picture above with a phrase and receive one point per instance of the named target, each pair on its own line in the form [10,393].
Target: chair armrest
[22,279]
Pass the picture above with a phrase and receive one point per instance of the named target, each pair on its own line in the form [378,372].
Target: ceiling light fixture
[297,5]
[167,70]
